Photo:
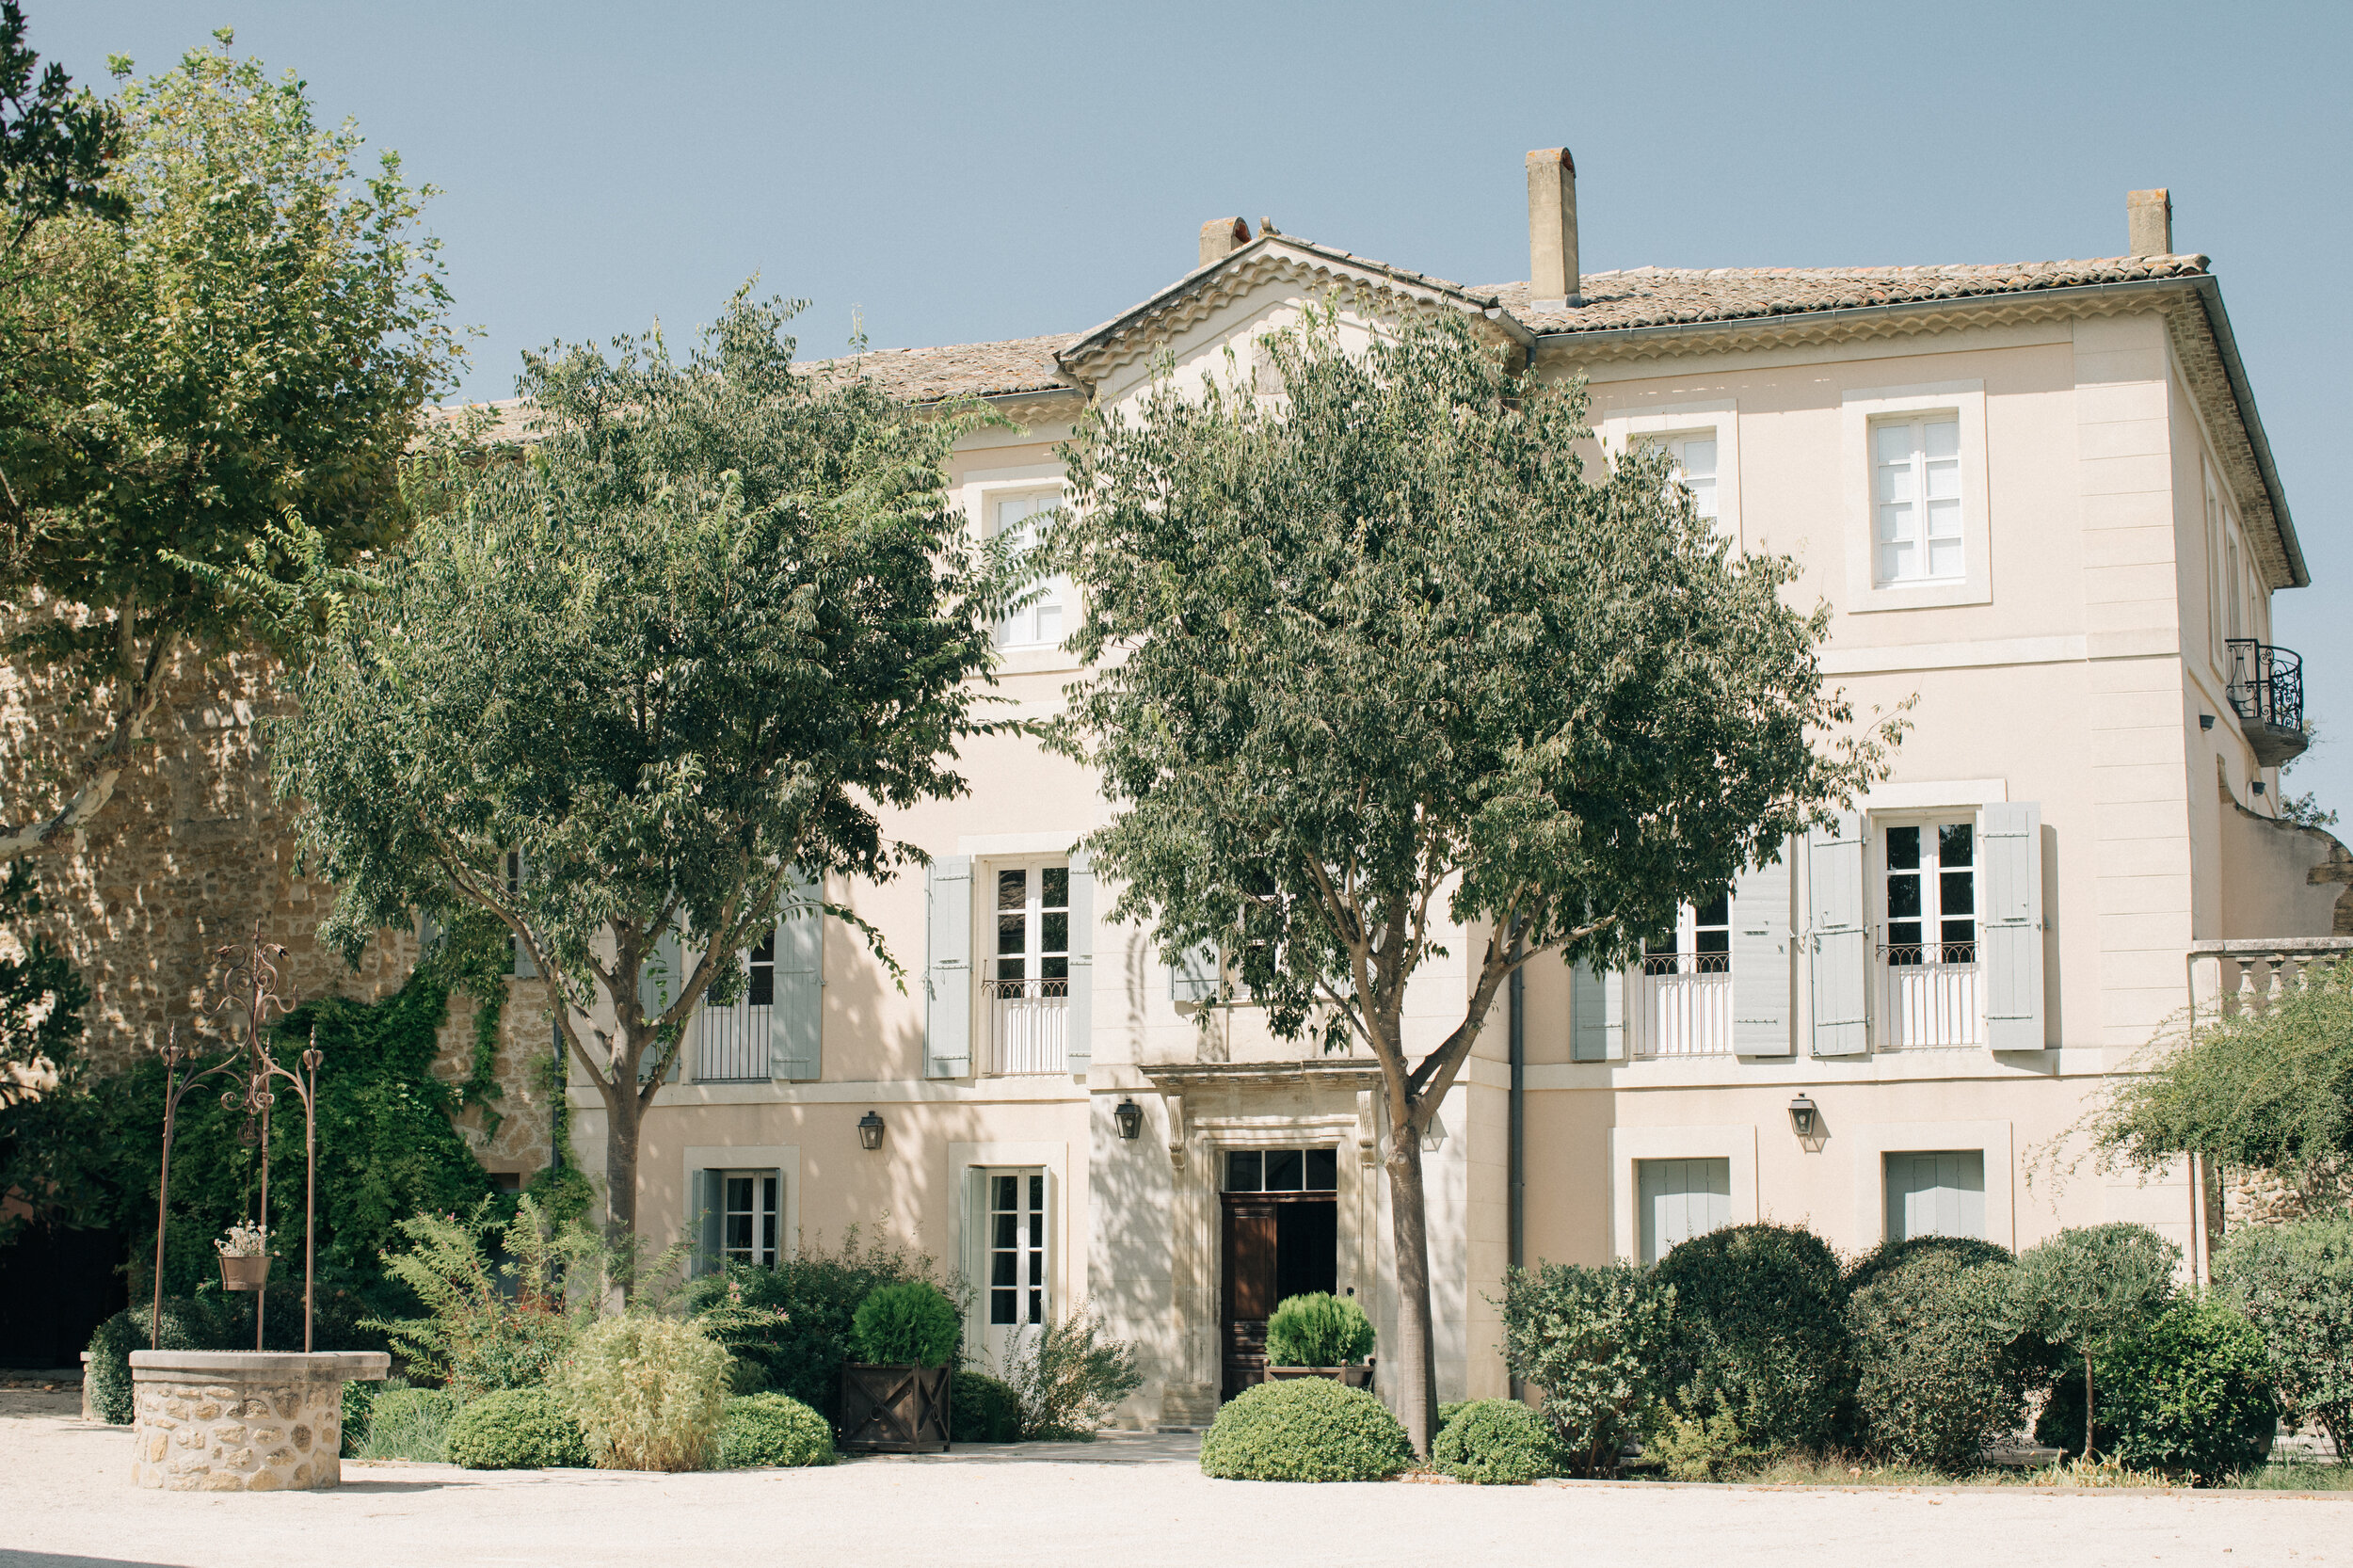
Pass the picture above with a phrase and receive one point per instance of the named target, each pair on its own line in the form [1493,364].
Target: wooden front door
[1249,1257]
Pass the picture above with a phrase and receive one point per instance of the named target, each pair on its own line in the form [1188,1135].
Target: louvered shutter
[1079,1015]
[1597,1014]
[2011,839]
[797,1016]
[713,1217]
[948,968]
[1761,966]
[1841,952]
[1194,978]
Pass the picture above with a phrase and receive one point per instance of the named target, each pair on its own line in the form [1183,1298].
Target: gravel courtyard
[1130,1500]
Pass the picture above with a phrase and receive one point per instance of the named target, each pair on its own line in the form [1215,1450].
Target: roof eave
[2209,289]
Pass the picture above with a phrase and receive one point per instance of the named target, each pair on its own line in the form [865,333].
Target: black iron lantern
[869,1128]
[1130,1115]
[1801,1116]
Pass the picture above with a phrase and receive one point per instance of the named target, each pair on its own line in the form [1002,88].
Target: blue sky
[964,172]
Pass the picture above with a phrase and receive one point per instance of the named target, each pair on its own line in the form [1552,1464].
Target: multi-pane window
[1701,942]
[1033,955]
[1282,1170]
[1016,1247]
[1039,623]
[1695,455]
[1915,492]
[1932,893]
[760,989]
[747,1217]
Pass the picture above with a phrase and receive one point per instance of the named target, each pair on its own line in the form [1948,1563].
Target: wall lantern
[870,1131]
[2205,721]
[1801,1117]
[1130,1115]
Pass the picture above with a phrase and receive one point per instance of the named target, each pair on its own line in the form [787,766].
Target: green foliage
[40,996]
[794,1321]
[1496,1443]
[910,1324]
[54,142]
[1069,1375]
[1318,1329]
[2187,1393]
[1591,1339]
[980,1409]
[649,1392]
[1701,1447]
[1305,1429]
[410,1423]
[208,398]
[212,1320]
[2295,1284]
[516,1429]
[2087,1287]
[1890,1256]
[1760,1332]
[770,1430]
[485,1325]
[358,1402]
[1938,1378]
[2270,1089]
[720,618]
[1448,1409]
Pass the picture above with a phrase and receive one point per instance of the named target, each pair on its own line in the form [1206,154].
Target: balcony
[2266,693]
[1028,1027]
[1932,1000]
[1683,1006]
[731,1043]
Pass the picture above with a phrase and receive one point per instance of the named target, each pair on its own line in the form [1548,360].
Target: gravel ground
[1132,1500]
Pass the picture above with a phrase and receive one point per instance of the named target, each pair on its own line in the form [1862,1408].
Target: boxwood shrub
[1760,1334]
[1591,1339]
[1305,1429]
[1318,1329]
[909,1324]
[980,1409]
[1936,1379]
[770,1430]
[2189,1395]
[1496,1443]
[516,1429]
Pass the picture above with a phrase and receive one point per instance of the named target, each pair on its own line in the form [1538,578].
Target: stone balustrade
[242,1420]
[2239,977]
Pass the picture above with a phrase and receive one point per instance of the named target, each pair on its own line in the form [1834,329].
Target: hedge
[1760,1334]
[1496,1443]
[1937,1380]
[773,1430]
[517,1429]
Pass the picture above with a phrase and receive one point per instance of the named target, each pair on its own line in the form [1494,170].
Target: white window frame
[1065,1269]
[1859,409]
[786,1157]
[1002,1014]
[1875,1141]
[1684,1009]
[1020,633]
[1630,1146]
[1884,976]
[1717,420]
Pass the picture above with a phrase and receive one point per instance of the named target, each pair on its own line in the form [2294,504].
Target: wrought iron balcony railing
[2266,693]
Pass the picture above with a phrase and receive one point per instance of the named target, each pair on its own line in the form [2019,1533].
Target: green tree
[719,614]
[40,996]
[1389,659]
[54,142]
[252,344]
[2087,1287]
[2295,1284]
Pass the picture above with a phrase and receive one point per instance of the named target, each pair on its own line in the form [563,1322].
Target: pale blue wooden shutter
[796,1018]
[2010,848]
[659,977]
[1597,1014]
[1194,978]
[1761,966]
[1079,1016]
[948,968]
[1834,875]
[710,1199]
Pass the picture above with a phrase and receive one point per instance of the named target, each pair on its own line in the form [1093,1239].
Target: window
[1703,439]
[1679,1199]
[1695,455]
[1915,482]
[1016,1247]
[1038,624]
[1928,941]
[1282,1170]
[747,1217]
[1939,1193]
[1686,1000]
[1028,976]
[732,1043]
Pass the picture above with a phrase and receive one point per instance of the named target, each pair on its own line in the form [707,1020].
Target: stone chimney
[1221,237]
[1552,276]
[2149,222]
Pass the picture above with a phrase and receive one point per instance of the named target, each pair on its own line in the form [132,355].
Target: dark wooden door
[1249,1259]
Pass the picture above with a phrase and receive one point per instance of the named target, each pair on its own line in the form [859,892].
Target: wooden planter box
[1351,1377]
[894,1410]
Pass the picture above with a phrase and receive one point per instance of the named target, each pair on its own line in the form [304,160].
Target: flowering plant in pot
[244,1257]
[1319,1335]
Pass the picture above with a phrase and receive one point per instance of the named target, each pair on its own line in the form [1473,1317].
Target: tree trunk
[1417,1377]
[2087,1406]
[624,1121]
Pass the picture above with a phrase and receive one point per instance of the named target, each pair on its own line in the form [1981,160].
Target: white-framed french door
[1933,994]
[1013,1253]
[1028,979]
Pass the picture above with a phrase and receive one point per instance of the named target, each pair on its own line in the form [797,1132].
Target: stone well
[242,1420]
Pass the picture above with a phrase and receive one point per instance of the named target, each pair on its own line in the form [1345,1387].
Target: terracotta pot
[1351,1377]
[894,1410]
[244,1273]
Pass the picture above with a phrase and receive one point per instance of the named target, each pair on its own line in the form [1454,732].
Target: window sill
[1924,596]
[1035,660]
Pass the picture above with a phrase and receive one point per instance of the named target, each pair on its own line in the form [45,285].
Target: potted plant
[244,1257]
[1319,1335]
[895,1400]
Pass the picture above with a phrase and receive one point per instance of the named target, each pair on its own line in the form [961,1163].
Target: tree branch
[142,689]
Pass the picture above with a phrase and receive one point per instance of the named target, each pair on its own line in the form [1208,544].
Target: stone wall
[190,855]
[241,1420]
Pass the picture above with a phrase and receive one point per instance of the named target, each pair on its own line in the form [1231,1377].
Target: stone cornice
[1192,1077]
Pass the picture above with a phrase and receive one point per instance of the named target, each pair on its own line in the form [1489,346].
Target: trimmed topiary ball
[912,1324]
[516,1429]
[980,1409]
[1760,1334]
[1305,1429]
[773,1429]
[1496,1443]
